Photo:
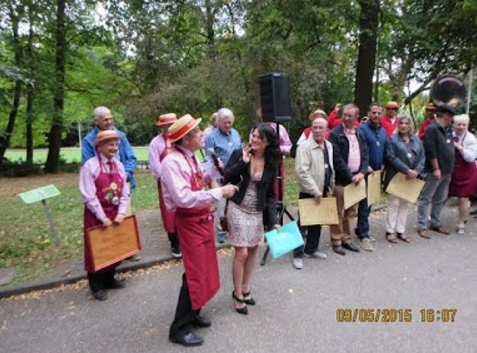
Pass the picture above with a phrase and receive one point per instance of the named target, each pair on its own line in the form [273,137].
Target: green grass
[25,238]
[70,154]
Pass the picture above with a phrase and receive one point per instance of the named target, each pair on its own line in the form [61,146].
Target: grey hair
[222,113]
[403,116]
[98,111]
[462,118]
[352,106]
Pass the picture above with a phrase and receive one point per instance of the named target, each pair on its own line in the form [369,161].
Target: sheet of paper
[287,239]
[313,213]
[406,189]
[374,187]
[354,193]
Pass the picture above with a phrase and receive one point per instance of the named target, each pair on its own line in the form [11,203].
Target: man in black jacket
[351,166]
[439,148]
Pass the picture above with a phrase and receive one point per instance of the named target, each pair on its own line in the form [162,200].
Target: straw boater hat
[318,113]
[105,136]
[431,107]
[182,127]
[164,119]
[392,105]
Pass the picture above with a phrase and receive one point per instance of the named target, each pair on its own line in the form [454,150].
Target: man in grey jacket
[315,174]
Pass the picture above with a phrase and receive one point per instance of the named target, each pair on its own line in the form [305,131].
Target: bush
[19,168]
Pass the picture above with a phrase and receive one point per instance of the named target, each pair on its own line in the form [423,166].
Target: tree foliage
[144,58]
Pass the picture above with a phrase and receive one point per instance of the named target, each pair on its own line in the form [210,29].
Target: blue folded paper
[286,240]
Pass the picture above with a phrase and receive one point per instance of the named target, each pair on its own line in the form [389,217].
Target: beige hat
[182,127]
[392,105]
[164,119]
[318,112]
[105,136]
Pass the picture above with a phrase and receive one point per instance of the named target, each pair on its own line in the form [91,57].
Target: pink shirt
[156,148]
[176,177]
[354,156]
[88,174]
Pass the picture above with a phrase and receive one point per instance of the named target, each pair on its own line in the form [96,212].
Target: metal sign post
[41,194]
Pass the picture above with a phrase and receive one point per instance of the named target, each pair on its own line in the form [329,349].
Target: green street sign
[40,194]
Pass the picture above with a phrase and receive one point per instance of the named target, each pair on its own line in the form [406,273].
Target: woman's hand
[277,227]
[119,218]
[106,222]
[411,174]
[247,152]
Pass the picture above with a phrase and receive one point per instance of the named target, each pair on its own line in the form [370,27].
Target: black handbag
[223,220]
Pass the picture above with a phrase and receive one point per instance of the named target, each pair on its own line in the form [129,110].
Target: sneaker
[134,258]
[461,230]
[298,263]
[317,255]
[176,251]
[366,244]
[221,237]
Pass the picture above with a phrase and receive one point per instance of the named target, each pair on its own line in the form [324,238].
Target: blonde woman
[464,177]
[404,154]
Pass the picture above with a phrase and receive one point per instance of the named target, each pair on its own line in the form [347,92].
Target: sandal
[403,237]
[243,310]
[390,237]
[249,301]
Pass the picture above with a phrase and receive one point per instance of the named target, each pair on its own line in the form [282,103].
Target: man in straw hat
[439,149]
[183,185]
[431,112]
[103,120]
[389,121]
[159,148]
[105,193]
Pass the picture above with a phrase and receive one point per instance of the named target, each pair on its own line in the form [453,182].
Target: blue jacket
[126,153]
[376,141]
[400,156]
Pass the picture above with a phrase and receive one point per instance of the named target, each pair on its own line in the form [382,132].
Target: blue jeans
[434,193]
[362,224]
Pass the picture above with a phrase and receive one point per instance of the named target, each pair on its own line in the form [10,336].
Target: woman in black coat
[253,169]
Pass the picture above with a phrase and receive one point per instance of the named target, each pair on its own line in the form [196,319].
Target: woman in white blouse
[464,177]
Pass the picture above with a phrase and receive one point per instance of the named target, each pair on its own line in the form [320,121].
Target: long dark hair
[272,152]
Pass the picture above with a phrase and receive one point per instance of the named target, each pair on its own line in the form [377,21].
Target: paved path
[296,310]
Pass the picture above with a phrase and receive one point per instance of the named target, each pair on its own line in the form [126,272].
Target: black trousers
[184,313]
[174,239]
[311,235]
[100,280]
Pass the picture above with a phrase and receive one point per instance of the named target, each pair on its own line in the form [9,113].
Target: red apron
[109,187]
[195,227]
[167,217]
[464,177]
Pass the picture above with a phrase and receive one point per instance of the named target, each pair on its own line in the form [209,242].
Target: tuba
[448,90]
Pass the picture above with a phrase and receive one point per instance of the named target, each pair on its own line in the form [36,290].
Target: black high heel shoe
[244,310]
[250,301]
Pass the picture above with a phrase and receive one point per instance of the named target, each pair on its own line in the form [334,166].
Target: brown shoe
[440,229]
[424,233]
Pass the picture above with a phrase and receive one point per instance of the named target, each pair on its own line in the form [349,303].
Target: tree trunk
[30,93]
[52,161]
[368,30]
[5,138]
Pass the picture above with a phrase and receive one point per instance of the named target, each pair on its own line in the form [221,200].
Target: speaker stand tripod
[281,208]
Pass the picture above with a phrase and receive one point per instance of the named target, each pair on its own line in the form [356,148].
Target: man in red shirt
[389,121]
[431,111]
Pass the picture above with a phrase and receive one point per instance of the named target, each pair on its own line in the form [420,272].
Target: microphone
[216,160]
